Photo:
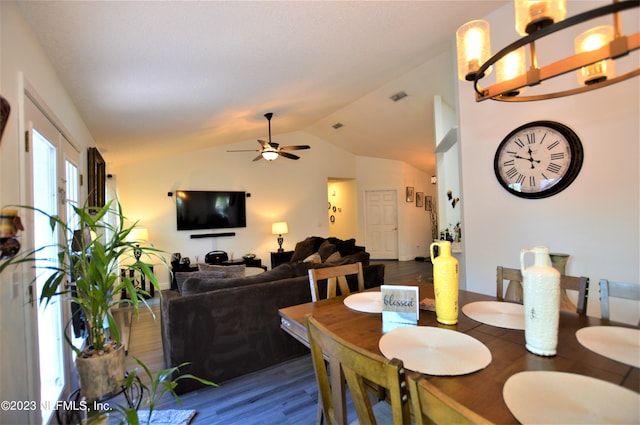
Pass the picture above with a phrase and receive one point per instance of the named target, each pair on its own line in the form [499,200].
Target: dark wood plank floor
[283,394]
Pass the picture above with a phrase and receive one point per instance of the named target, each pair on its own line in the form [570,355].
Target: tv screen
[210,209]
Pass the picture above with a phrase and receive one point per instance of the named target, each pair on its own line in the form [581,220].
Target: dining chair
[609,288]
[431,406]
[580,284]
[349,363]
[335,276]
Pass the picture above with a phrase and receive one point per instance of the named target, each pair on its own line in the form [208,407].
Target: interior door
[381,224]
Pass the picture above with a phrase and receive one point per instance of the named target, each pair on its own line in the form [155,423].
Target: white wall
[22,63]
[596,219]
[343,196]
[414,226]
[283,190]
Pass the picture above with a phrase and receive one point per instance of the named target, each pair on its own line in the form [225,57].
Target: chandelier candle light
[280,229]
[595,51]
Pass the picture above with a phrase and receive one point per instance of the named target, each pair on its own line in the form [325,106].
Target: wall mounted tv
[210,209]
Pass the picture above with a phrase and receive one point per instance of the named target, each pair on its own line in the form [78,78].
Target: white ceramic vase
[541,291]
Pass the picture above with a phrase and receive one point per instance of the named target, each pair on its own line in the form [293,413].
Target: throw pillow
[227,271]
[313,258]
[326,249]
[303,250]
[347,247]
[333,257]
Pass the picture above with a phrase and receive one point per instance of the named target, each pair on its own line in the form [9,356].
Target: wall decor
[332,219]
[409,194]
[428,205]
[419,199]
[96,181]
[5,109]
[538,159]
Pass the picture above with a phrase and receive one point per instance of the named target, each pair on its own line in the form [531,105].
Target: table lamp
[280,229]
[138,235]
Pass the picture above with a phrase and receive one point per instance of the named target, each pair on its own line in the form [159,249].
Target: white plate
[496,313]
[617,343]
[366,302]
[435,351]
[544,397]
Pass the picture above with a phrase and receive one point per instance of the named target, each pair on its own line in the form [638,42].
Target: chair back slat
[359,369]
[336,277]
[610,288]
[432,406]
[580,284]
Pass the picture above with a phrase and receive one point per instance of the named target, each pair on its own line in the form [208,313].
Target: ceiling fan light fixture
[270,154]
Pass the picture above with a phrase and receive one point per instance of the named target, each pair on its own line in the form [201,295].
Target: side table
[249,262]
[138,279]
[282,257]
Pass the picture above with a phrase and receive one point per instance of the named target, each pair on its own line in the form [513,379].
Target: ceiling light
[400,95]
[536,19]
[269,154]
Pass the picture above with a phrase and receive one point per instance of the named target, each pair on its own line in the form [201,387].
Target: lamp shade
[474,48]
[279,228]
[139,235]
[588,41]
[531,15]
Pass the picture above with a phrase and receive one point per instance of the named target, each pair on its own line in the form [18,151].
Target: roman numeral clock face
[538,159]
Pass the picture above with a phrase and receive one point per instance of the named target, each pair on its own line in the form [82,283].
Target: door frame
[64,148]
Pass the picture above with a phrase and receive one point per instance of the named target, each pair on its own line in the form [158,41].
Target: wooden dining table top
[480,391]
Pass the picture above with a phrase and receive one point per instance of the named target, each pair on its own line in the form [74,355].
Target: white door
[54,175]
[381,224]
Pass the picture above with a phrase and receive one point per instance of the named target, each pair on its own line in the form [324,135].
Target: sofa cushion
[182,277]
[237,270]
[199,282]
[313,258]
[326,249]
[346,247]
[302,250]
[333,257]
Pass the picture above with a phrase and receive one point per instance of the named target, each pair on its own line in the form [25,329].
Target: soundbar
[213,235]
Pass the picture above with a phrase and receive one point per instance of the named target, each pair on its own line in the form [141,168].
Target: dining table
[481,390]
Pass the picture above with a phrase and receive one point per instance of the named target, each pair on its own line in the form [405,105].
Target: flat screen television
[210,209]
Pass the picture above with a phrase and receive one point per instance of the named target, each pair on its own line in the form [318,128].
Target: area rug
[169,417]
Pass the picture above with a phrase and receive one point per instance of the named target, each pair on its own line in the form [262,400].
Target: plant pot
[101,374]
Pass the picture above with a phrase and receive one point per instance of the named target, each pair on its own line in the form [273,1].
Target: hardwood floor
[282,394]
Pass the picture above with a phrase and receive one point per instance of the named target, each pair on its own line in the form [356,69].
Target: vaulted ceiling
[169,75]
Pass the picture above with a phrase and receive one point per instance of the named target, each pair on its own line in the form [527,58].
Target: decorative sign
[399,304]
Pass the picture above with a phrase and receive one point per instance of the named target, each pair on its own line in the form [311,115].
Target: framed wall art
[419,199]
[96,179]
[409,194]
[428,204]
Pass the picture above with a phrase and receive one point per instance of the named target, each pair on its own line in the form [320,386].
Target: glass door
[55,184]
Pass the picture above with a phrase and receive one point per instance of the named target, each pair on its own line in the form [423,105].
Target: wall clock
[538,159]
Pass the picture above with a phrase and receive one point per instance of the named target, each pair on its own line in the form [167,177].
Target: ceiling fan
[271,150]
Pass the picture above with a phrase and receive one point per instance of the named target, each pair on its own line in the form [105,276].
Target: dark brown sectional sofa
[227,327]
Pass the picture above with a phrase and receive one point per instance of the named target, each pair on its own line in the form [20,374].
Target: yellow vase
[445,281]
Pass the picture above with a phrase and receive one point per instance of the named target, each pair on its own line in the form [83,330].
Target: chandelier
[594,60]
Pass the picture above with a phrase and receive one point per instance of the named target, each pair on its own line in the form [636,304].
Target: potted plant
[90,256]
[161,383]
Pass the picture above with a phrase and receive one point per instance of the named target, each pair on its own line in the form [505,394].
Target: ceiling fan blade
[288,155]
[244,150]
[295,148]
[263,144]
[258,157]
